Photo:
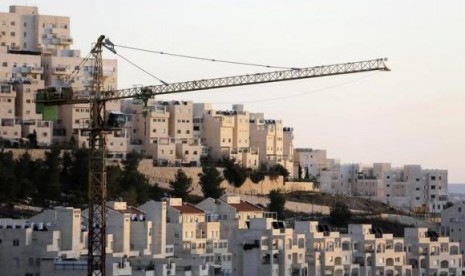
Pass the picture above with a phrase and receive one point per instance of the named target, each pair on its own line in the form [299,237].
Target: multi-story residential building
[35,52]
[267,247]
[196,241]
[274,142]
[409,187]
[288,149]
[226,133]
[51,243]
[20,77]
[330,178]
[311,162]
[231,211]
[431,254]
[453,224]
[327,252]
[164,131]
[378,253]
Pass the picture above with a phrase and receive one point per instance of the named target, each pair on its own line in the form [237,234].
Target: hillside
[354,203]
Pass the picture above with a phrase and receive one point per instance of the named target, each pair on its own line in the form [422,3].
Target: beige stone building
[226,134]
[36,52]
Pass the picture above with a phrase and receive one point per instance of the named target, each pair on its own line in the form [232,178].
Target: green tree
[79,175]
[277,203]
[114,176]
[256,176]
[33,139]
[234,173]
[340,214]
[299,176]
[181,186]
[8,187]
[134,185]
[132,161]
[210,181]
[49,186]
[25,174]
[280,169]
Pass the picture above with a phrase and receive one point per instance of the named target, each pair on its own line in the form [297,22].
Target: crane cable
[70,78]
[208,59]
[142,69]
[304,93]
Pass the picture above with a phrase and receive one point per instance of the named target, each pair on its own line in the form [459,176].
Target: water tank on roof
[116,119]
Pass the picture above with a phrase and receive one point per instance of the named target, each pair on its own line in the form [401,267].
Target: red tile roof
[187,208]
[245,206]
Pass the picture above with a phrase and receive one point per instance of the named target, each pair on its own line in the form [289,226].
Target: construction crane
[99,126]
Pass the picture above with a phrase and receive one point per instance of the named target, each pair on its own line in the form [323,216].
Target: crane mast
[97,98]
[97,182]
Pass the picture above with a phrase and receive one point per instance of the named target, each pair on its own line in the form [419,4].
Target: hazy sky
[414,114]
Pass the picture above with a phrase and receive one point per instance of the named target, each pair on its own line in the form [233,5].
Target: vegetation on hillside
[62,179]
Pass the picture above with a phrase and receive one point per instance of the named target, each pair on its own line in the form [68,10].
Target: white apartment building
[311,161]
[431,254]
[453,224]
[409,187]
[196,241]
[267,247]
[232,212]
[378,253]
[50,243]
[327,252]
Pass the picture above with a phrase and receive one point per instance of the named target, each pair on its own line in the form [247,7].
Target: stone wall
[35,153]
[163,175]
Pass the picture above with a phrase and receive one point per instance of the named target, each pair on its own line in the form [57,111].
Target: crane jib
[67,96]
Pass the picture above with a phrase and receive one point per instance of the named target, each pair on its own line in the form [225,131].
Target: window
[25,34]
[15,242]
[433,187]
[12,34]
[433,177]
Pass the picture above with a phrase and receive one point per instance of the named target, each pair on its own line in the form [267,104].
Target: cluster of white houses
[409,187]
[225,236]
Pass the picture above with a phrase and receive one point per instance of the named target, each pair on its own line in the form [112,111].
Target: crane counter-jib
[53,96]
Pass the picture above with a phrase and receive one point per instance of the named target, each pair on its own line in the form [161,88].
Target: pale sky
[414,114]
